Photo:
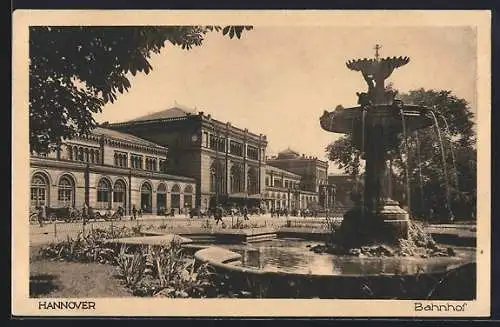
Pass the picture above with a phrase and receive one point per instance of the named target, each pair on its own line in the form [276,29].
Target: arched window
[80,154]
[161,188]
[146,197]
[39,190]
[252,181]
[188,196]
[217,177]
[176,189]
[235,179]
[104,194]
[161,198]
[97,156]
[86,155]
[175,197]
[66,191]
[92,157]
[119,194]
[70,152]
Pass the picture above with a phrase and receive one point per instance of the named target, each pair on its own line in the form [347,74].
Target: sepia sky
[279,80]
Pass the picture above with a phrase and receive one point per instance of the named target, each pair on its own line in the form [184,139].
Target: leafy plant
[174,275]
[131,266]
[84,248]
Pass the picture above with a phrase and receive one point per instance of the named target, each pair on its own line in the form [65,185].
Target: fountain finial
[377,48]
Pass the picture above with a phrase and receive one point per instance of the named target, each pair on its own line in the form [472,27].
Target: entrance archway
[119,194]
[146,198]
[66,191]
[161,199]
[188,196]
[39,190]
[104,194]
[175,201]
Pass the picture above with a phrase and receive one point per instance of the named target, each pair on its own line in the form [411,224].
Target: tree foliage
[75,71]
[433,184]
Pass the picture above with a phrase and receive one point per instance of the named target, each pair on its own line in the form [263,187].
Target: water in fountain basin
[294,256]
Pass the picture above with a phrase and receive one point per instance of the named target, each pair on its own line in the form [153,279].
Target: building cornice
[120,143]
[313,160]
[81,166]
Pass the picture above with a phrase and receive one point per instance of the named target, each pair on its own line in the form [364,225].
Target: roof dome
[288,154]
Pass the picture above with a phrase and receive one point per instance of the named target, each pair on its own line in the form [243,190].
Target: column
[154,204]
[181,202]
[129,189]
[87,182]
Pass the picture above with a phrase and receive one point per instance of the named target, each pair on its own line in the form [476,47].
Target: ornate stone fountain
[376,126]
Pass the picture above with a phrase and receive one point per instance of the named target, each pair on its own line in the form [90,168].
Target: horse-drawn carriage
[106,214]
[70,214]
[67,214]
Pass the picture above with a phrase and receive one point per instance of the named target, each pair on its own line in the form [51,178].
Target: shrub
[89,247]
[131,266]
[173,275]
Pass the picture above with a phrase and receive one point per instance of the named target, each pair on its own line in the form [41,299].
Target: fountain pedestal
[375,126]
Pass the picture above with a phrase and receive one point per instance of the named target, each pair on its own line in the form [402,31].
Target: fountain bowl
[348,120]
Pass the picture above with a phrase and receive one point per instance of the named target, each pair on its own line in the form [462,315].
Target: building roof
[173,112]
[288,153]
[124,137]
[340,179]
[281,170]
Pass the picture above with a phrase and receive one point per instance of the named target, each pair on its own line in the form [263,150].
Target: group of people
[283,212]
[72,213]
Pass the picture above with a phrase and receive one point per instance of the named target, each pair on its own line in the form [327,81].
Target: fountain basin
[286,268]
[348,120]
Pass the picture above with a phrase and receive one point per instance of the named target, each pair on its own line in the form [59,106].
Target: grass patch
[63,279]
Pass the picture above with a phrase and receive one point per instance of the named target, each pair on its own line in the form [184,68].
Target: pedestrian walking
[218,215]
[245,213]
[134,213]
[85,213]
[42,214]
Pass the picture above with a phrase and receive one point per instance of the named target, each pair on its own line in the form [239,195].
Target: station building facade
[313,174]
[283,190]
[226,162]
[107,169]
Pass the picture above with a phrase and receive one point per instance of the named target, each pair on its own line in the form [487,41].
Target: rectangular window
[286,184]
[136,161]
[212,144]
[222,145]
[252,153]
[163,165]
[236,148]
[150,164]
[267,181]
[121,159]
[205,139]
